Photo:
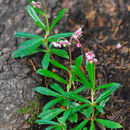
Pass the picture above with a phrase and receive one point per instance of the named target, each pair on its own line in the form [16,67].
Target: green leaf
[45,60]
[106,93]
[50,74]
[35,17]
[42,121]
[99,108]
[27,49]
[108,85]
[80,89]
[59,65]
[91,72]
[50,114]
[50,127]
[78,61]
[78,108]
[26,35]
[92,125]
[46,91]
[66,114]
[81,75]
[81,125]
[73,118]
[56,36]
[57,88]
[109,124]
[52,103]
[88,111]
[85,128]
[76,97]
[66,102]
[58,18]
[59,52]
[39,11]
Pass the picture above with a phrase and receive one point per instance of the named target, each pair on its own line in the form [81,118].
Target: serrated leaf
[66,114]
[99,108]
[35,17]
[91,72]
[109,124]
[80,89]
[108,85]
[78,61]
[59,52]
[81,76]
[50,114]
[92,125]
[52,103]
[58,18]
[26,35]
[59,65]
[81,125]
[42,121]
[50,74]
[57,88]
[106,93]
[46,91]
[45,60]
[56,36]
[27,49]
[73,118]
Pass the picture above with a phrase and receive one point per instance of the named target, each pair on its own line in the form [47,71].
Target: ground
[105,23]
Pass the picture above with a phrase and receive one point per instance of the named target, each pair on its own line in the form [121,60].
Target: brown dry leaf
[128,7]
[101,21]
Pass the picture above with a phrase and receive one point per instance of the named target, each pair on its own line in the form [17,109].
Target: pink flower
[118,46]
[56,44]
[36,4]
[90,57]
[65,42]
[77,33]
[78,45]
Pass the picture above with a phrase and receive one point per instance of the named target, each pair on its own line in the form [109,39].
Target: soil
[105,23]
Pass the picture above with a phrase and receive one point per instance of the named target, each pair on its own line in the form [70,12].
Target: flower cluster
[90,57]
[76,35]
[36,4]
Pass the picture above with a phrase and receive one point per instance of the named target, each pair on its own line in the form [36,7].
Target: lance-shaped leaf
[42,121]
[108,85]
[59,52]
[46,91]
[56,36]
[109,124]
[39,11]
[106,93]
[50,113]
[73,118]
[58,18]
[58,65]
[99,108]
[35,17]
[80,89]
[66,115]
[50,74]
[26,35]
[45,60]
[88,111]
[81,125]
[27,49]
[52,103]
[78,61]
[50,127]
[57,88]
[91,72]
[92,125]
[81,75]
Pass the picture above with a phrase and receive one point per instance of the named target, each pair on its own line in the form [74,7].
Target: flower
[37,5]
[78,45]
[65,42]
[118,46]
[77,34]
[90,57]
[56,44]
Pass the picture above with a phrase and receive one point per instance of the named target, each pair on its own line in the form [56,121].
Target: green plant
[66,105]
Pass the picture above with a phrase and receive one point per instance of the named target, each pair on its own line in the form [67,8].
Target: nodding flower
[56,44]
[65,43]
[118,46]
[78,45]
[37,5]
[90,57]
[77,34]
